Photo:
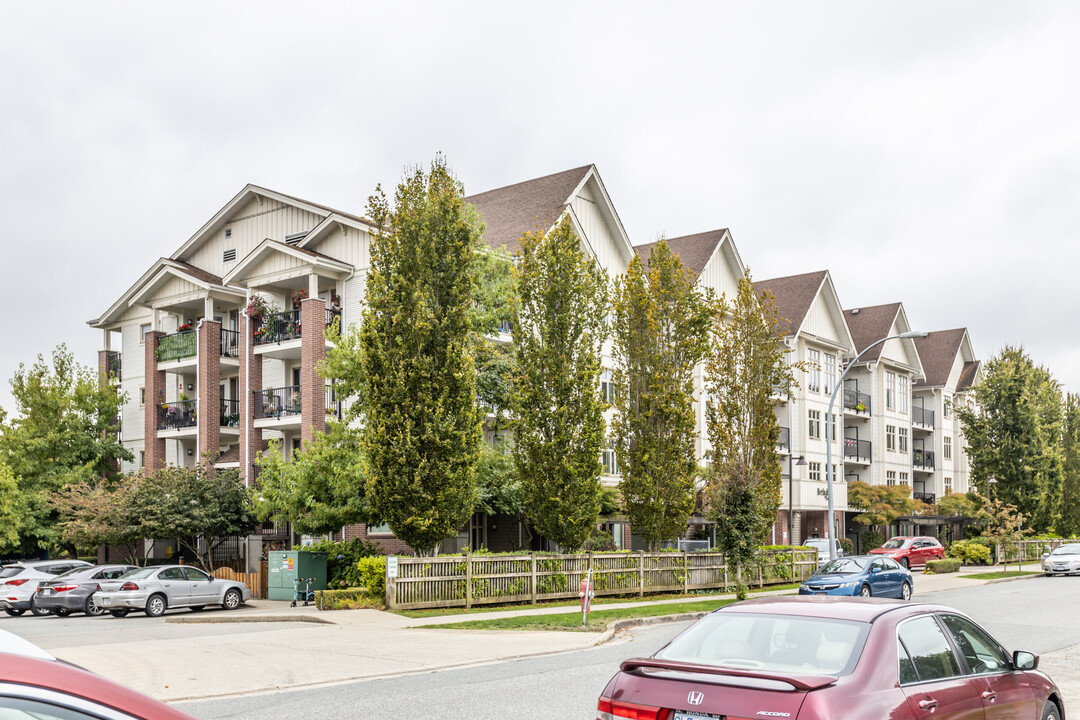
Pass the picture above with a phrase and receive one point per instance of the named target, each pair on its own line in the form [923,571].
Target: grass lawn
[607,600]
[998,574]
[598,619]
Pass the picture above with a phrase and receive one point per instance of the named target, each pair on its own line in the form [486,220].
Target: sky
[927,153]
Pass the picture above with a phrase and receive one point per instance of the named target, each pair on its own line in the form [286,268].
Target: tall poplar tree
[558,332]
[1069,525]
[747,363]
[422,427]
[661,332]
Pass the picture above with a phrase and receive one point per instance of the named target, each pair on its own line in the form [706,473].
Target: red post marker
[585,592]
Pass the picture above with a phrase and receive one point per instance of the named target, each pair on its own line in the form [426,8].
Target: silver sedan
[1064,560]
[157,589]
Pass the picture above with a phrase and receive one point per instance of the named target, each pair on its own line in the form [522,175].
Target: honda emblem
[695,698]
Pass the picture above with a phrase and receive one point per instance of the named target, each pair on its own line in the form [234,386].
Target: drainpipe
[198,400]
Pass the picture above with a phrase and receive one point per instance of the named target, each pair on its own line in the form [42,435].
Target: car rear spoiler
[799,682]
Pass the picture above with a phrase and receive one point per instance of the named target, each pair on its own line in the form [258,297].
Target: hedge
[347,599]
[948,565]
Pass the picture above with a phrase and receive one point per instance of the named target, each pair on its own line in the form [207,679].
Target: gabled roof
[938,352]
[794,295]
[510,212]
[695,251]
[153,277]
[968,375]
[269,246]
[870,324]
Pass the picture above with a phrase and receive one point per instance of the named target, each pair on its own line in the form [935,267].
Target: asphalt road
[1040,614]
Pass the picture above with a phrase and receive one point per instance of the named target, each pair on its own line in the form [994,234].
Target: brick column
[103,364]
[154,447]
[312,352]
[209,385]
[251,380]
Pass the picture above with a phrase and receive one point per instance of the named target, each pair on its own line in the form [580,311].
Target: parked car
[822,547]
[157,589]
[19,581]
[34,684]
[818,658]
[911,551]
[74,590]
[862,575]
[1062,560]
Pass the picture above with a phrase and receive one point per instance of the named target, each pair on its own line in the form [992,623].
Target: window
[609,459]
[948,408]
[890,391]
[890,477]
[830,374]
[814,424]
[607,387]
[142,458]
[890,438]
[948,485]
[927,650]
[946,449]
[903,439]
[815,471]
[903,478]
[832,427]
[142,396]
[980,651]
[143,329]
[813,361]
[380,529]
[903,394]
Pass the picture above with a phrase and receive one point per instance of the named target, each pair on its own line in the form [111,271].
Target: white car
[1063,560]
[822,547]
[19,581]
[157,589]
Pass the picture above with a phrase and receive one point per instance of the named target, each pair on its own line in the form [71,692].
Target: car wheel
[865,592]
[38,612]
[120,612]
[905,562]
[62,612]
[91,608]
[197,608]
[905,591]
[13,612]
[232,599]
[155,606]
[1050,711]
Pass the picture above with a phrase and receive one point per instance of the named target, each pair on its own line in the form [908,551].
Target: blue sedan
[865,575]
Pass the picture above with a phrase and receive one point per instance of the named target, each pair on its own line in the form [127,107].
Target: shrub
[969,552]
[847,545]
[872,539]
[342,558]
[599,541]
[372,574]
[348,599]
[948,565]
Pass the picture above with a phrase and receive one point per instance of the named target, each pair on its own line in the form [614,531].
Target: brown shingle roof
[197,272]
[511,211]
[967,375]
[794,294]
[693,250]
[938,353]
[870,324]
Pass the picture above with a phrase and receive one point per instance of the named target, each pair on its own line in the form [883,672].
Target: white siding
[820,322]
[597,234]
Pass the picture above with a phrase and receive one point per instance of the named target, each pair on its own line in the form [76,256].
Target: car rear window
[138,573]
[894,544]
[776,643]
[11,570]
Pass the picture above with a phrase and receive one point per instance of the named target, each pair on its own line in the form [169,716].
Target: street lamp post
[989,480]
[829,440]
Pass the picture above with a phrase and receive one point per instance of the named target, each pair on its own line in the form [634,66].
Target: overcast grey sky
[922,152]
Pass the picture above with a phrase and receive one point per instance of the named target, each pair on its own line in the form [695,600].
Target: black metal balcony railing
[857,401]
[857,449]
[928,498]
[177,346]
[230,413]
[230,343]
[176,415]
[784,441]
[333,405]
[278,327]
[923,459]
[922,416]
[277,402]
[505,326]
[112,363]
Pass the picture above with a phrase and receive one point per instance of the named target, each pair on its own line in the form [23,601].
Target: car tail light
[16,583]
[608,709]
[129,586]
[64,588]
[97,588]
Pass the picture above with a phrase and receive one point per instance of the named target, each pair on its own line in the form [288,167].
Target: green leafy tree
[661,332]
[99,513]
[558,331]
[1069,525]
[953,504]
[64,433]
[421,425]
[1013,432]
[320,489]
[11,513]
[880,505]
[747,362]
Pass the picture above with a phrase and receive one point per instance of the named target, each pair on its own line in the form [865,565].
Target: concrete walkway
[224,654]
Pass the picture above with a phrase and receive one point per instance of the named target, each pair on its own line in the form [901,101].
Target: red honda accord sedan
[822,658]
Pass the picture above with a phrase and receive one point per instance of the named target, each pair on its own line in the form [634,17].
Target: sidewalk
[292,647]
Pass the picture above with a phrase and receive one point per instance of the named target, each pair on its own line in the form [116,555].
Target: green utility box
[284,566]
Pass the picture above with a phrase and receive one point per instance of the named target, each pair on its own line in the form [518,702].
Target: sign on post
[391,566]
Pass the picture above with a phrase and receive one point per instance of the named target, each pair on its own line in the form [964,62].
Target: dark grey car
[74,590]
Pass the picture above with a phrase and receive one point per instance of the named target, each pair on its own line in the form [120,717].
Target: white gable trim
[827,293]
[332,223]
[626,249]
[327,266]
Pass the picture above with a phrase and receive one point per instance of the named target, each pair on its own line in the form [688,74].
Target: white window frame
[813,427]
[903,478]
[830,373]
[946,447]
[902,439]
[903,399]
[890,391]
[815,471]
[890,438]
[813,363]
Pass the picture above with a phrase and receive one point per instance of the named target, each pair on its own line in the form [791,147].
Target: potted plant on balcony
[296,400]
[258,309]
[184,328]
[298,296]
[860,407]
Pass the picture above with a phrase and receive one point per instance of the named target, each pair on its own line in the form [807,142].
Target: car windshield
[777,643]
[10,570]
[138,573]
[843,566]
[894,544]
[1072,549]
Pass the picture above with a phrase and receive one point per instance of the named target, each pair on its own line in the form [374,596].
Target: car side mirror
[1045,555]
[875,569]
[1024,660]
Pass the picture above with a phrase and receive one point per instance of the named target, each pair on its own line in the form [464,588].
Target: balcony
[857,450]
[922,459]
[177,415]
[230,413]
[178,346]
[333,405]
[230,343]
[277,403]
[113,365]
[783,443]
[928,498]
[856,403]
[278,327]
[922,418]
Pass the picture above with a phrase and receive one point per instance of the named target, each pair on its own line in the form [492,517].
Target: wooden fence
[468,580]
[1031,548]
[256,581]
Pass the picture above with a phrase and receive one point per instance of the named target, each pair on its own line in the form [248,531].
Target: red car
[817,658]
[34,684]
[911,551]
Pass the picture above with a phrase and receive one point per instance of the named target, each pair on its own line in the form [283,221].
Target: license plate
[46,591]
[683,715]
[106,601]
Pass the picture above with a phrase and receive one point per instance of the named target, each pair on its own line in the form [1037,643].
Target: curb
[214,619]
[615,626]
